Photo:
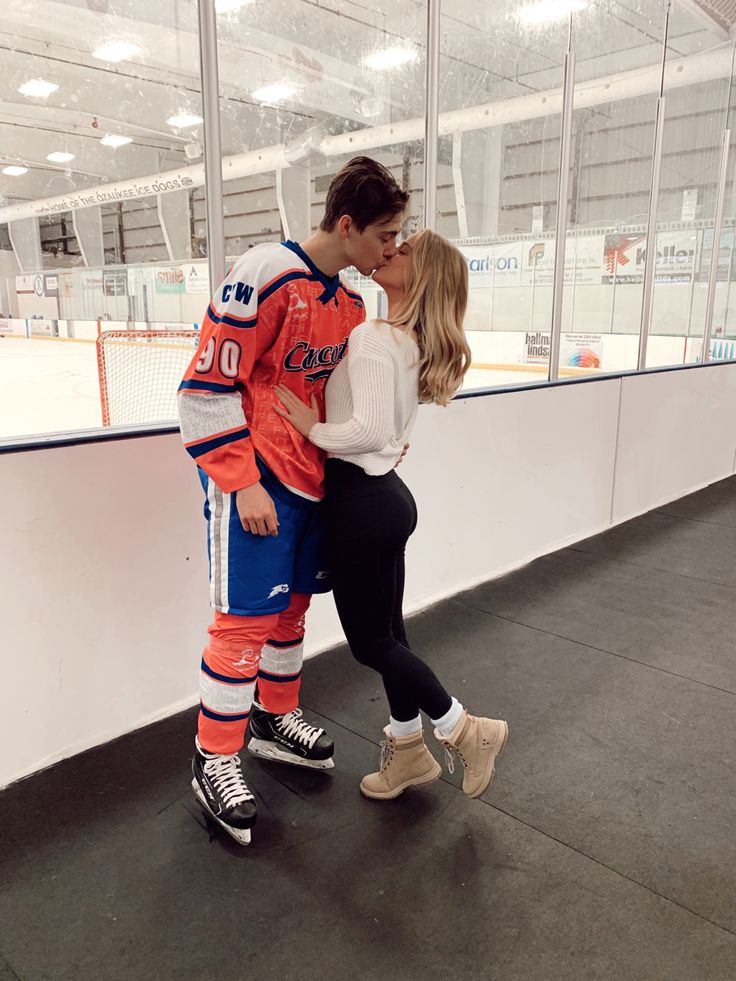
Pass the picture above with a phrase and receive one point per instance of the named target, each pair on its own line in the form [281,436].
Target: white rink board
[108,538]
[677,431]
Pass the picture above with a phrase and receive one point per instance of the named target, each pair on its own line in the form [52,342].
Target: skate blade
[267,751]
[241,835]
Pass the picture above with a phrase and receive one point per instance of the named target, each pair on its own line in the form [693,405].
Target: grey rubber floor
[605,848]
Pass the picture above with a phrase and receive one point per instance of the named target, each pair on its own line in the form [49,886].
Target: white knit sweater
[371,399]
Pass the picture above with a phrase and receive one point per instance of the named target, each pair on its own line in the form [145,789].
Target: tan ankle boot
[477,741]
[405,762]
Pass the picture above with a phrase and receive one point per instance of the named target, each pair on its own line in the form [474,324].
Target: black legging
[370,520]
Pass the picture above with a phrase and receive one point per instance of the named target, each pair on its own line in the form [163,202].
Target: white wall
[104,605]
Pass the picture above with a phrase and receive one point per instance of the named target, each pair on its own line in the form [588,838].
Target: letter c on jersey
[243,292]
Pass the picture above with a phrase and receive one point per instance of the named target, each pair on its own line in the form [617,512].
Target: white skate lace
[227,779]
[294,727]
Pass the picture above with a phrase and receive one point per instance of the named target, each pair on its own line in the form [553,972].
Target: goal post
[140,372]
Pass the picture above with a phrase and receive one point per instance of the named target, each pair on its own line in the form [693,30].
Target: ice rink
[48,386]
[53,385]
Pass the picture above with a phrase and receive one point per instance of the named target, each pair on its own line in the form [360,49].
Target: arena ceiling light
[59,157]
[546,11]
[183,120]
[274,93]
[115,140]
[116,51]
[14,171]
[37,88]
[390,58]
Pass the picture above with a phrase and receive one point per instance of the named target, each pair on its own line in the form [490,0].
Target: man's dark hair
[365,190]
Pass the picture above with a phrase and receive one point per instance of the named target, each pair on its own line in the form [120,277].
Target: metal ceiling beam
[702,67]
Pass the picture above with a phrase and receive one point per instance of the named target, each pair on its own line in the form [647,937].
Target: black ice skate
[289,739]
[221,790]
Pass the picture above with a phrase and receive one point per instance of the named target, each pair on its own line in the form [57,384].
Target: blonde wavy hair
[433,305]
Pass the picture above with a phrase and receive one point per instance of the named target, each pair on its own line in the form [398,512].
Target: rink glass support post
[457,180]
[563,182]
[212,142]
[650,261]
[716,250]
[431,112]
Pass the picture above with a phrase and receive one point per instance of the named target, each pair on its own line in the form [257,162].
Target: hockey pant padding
[241,652]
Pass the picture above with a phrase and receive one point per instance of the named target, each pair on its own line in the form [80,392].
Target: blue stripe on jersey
[353,296]
[199,449]
[281,678]
[217,318]
[284,643]
[223,677]
[275,287]
[330,283]
[217,717]
[202,386]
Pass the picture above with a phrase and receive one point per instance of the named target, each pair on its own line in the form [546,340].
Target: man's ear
[344,224]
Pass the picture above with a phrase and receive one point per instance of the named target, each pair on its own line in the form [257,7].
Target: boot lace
[227,779]
[450,759]
[293,726]
[387,752]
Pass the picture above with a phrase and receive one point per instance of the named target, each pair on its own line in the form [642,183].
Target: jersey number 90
[228,360]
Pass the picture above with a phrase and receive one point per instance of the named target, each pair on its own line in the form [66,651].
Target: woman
[419,353]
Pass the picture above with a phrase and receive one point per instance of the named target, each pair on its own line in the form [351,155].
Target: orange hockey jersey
[276,319]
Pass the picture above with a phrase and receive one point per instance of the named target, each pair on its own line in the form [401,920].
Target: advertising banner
[493,265]
[196,278]
[43,328]
[537,348]
[625,257]
[538,262]
[581,350]
[13,326]
[115,283]
[583,254]
[37,284]
[169,280]
[726,266]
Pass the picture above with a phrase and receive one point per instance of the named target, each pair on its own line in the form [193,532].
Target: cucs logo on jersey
[302,357]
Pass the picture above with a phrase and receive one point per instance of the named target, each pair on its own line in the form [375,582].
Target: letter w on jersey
[243,293]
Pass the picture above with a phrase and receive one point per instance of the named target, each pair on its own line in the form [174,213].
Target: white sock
[401,729]
[449,720]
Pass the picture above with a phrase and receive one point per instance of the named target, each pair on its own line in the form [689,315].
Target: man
[282,315]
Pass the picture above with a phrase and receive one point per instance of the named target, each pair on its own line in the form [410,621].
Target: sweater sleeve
[371,377]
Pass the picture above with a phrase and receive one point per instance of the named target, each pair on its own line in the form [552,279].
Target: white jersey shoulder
[266,262]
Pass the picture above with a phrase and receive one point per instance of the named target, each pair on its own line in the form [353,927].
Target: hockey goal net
[140,372]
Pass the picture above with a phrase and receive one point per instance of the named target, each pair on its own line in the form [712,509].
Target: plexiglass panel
[304,89]
[102,183]
[698,66]
[100,119]
[618,67]
[501,73]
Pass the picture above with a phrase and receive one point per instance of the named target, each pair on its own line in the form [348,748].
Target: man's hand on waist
[257,510]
